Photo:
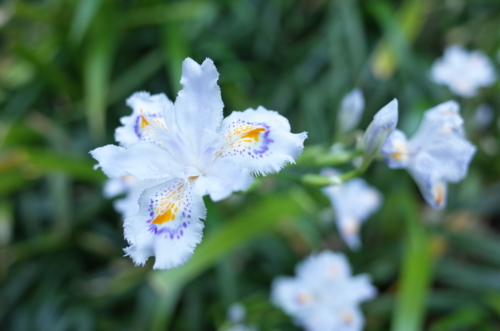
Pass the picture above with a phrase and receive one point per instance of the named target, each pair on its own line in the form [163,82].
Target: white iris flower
[189,150]
[438,153]
[324,296]
[353,202]
[463,72]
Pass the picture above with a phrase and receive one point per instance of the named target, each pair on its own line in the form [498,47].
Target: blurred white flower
[324,296]
[190,151]
[241,327]
[438,153]
[483,116]
[353,202]
[382,125]
[351,110]
[236,313]
[463,72]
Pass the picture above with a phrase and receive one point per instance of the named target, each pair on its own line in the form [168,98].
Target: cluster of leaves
[66,68]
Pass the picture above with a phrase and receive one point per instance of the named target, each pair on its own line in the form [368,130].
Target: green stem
[415,278]
[322,181]
[319,156]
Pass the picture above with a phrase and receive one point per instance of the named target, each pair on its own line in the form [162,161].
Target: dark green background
[66,68]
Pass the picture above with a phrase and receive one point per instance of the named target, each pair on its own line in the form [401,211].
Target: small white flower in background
[189,150]
[483,116]
[353,202]
[437,153]
[236,314]
[324,296]
[463,72]
[382,125]
[351,110]
[241,327]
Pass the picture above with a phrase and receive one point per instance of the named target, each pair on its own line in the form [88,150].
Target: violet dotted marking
[141,121]
[241,135]
[177,196]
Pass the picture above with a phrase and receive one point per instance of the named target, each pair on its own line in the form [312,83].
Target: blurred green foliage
[66,68]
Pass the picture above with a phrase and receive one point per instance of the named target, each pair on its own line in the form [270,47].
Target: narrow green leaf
[415,277]
[84,14]
[175,51]
[135,76]
[96,74]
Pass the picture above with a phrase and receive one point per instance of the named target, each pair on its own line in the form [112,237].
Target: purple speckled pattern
[172,229]
[137,127]
[262,148]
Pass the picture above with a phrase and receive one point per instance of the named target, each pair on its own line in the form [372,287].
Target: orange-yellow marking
[303,298]
[167,209]
[439,194]
[347,317]
[144,122]
[253,134]
[167,216]
[398,155]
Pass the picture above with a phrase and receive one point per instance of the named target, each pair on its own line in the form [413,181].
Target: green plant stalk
[415,277]
[317,156]
[322,181]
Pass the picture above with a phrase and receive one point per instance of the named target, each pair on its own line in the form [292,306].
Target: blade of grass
[84,14]
[135,76]
[415,277]
[174,50]
[96,72]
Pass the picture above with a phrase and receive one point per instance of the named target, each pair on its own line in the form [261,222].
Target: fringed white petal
[141,160]
[260,140]
[146,109]
[222,178]
[168,225]
[198,108]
